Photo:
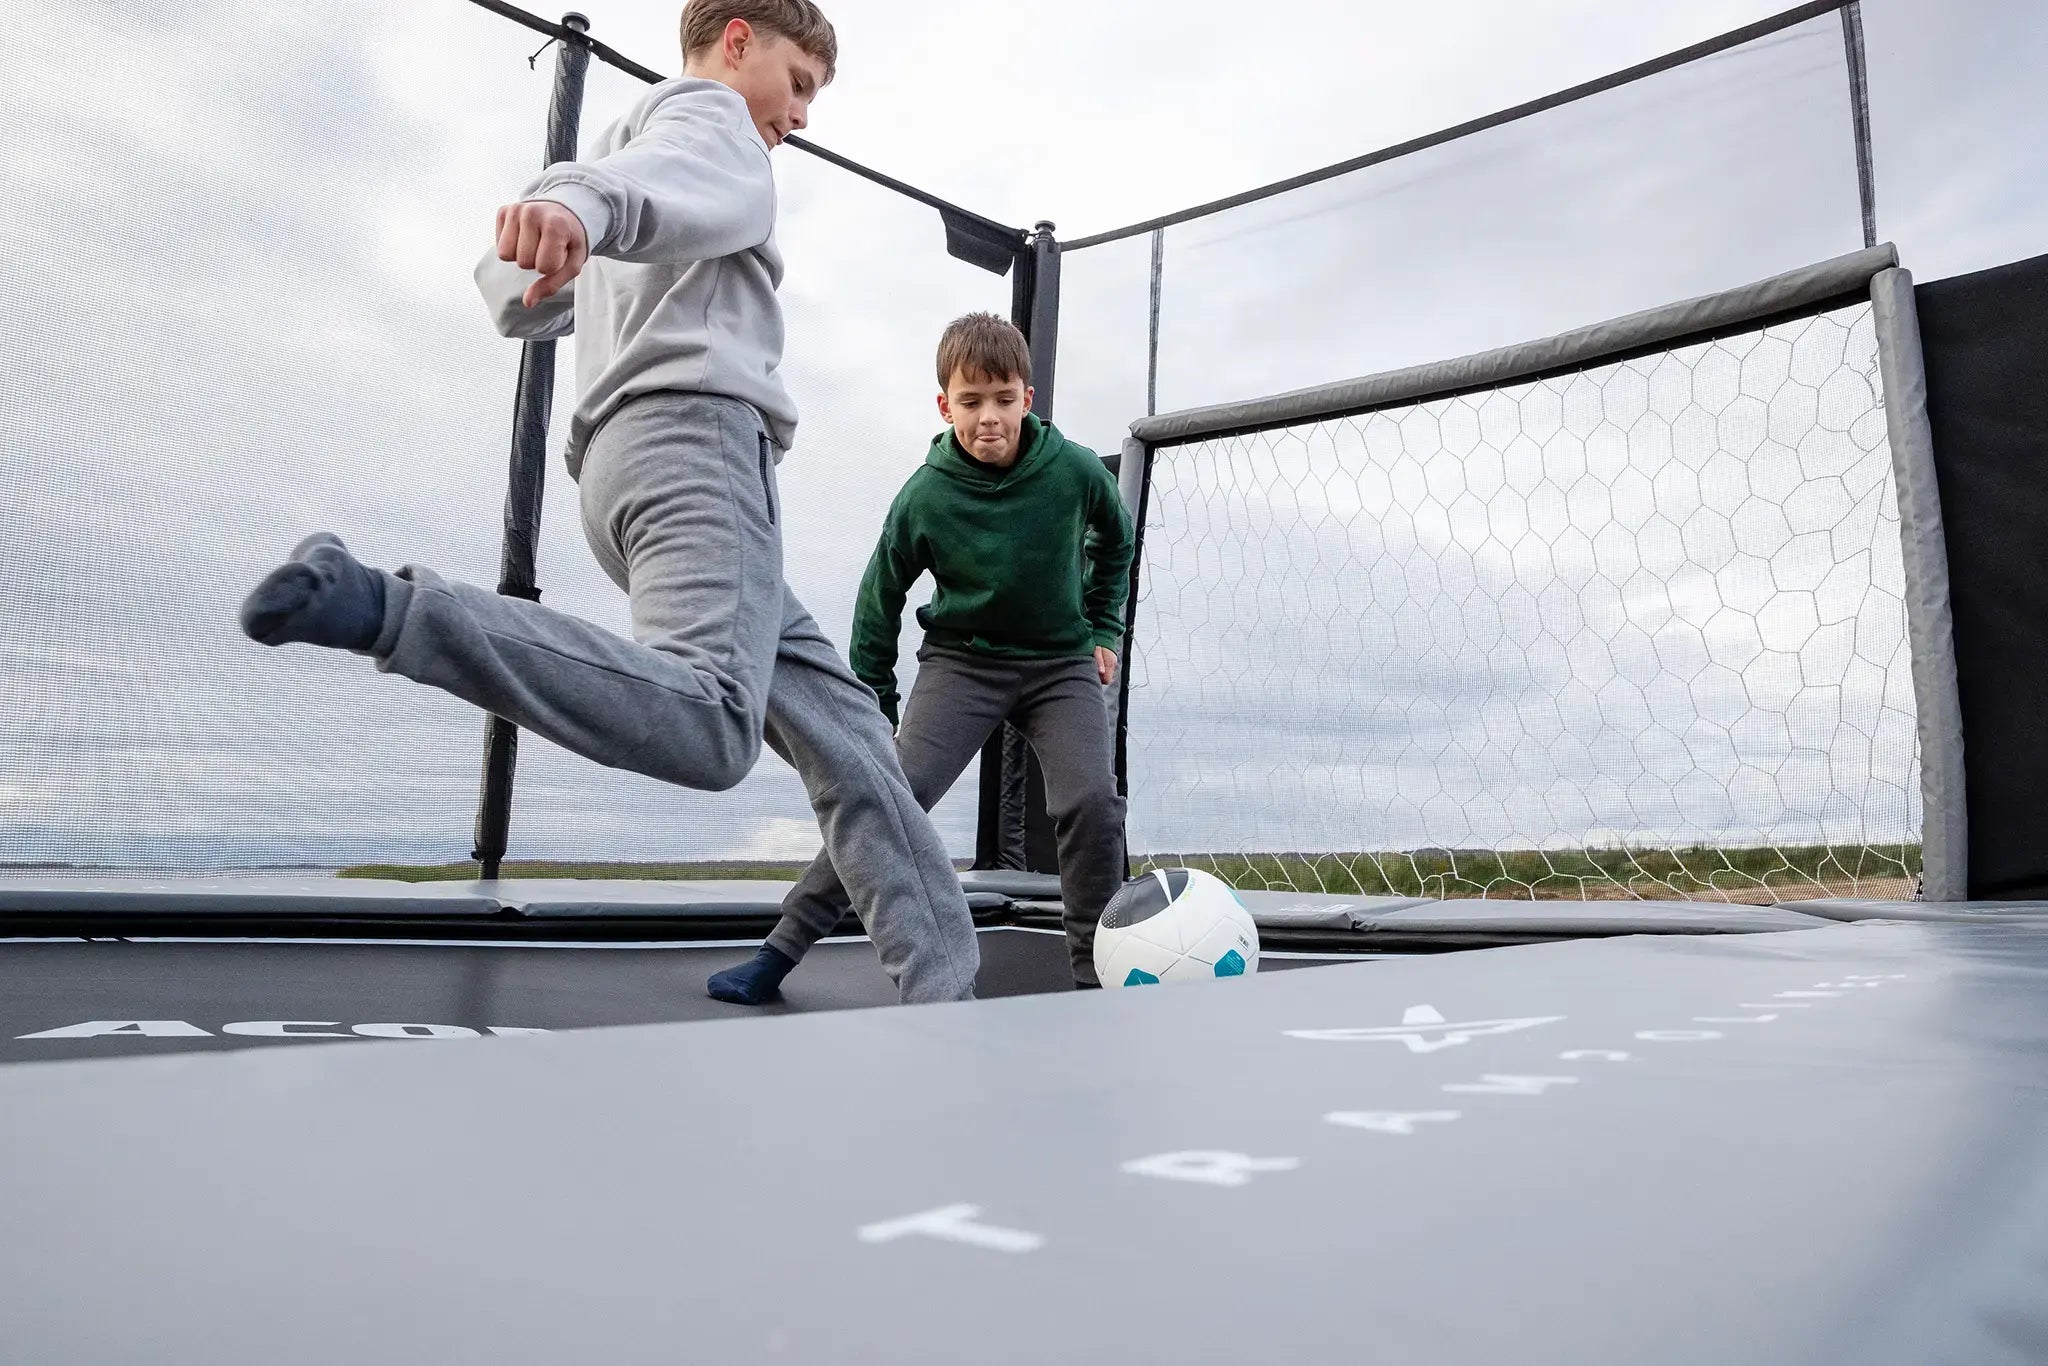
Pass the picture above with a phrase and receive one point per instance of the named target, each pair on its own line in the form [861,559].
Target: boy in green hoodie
[1027,541]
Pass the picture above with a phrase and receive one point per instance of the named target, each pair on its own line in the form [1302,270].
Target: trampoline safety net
[261,323]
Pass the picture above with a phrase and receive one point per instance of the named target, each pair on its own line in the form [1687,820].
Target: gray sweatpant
[680,507]
[957,702]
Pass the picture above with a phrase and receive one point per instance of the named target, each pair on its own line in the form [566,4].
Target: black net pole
[998,841]
[527,479]
[1039,839]
[1013,830]
[1859,109]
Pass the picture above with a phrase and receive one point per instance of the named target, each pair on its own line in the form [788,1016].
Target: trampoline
[115,967]
[1650,972]
[1814,1145]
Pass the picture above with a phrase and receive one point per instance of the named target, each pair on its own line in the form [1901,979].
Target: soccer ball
[1174,925]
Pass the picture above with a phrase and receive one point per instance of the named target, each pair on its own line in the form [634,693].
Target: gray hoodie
[679,292]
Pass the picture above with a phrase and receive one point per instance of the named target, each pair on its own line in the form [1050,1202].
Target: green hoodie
[1031,562]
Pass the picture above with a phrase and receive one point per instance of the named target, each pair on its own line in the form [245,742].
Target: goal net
[1636,630]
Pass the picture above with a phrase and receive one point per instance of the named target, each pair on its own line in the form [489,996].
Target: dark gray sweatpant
[680,507]
[957,702]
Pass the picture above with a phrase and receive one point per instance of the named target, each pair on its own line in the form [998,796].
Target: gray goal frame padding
[1787,293]
[1930,624]
[1873,273]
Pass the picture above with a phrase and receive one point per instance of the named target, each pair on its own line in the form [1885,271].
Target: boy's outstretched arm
[533,236]
[1110,545]
[878,613]
[692,185]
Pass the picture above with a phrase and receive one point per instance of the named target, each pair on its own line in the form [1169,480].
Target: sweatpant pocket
[767,487]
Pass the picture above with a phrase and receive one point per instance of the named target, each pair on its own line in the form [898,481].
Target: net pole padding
[1859,113]
[526,480]
[1734,38]
[1004,822]
[1930,624]
[1026,804]
[1812,289]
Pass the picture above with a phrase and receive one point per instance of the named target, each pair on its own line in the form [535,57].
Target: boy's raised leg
[678,506]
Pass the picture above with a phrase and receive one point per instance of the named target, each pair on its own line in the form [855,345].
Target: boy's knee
[729,763]
[714,761]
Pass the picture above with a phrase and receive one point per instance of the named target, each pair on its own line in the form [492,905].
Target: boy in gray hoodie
[668,235]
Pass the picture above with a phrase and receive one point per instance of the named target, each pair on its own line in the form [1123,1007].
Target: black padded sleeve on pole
[1040,840]
[526,481]
[1044,333]
[1014,830]
[1859,110]
[998,840]
[1982,337]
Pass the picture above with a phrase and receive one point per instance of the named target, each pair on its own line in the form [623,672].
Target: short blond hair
[982,346]
[800,21]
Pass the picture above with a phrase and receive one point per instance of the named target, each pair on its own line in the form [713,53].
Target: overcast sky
[240,238]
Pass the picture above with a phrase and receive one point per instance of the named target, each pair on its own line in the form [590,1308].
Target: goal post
[1653,608]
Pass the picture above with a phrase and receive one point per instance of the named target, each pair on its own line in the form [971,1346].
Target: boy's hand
[1105,664]
[542,235]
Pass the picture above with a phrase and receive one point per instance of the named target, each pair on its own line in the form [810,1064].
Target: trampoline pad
[1800,1148]
[1852,909]
[731,906]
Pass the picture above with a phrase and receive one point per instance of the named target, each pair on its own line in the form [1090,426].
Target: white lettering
[1603,1054]
[1209,1168]
[1494,1084]
[415,1031]
[1389,1121]
[953,1224]
[138,1029]
[1677,1035]
[285,1029]
[1423,1029]
[1734,1019]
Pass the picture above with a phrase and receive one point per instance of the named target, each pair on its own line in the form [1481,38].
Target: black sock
[753,982]
[321,596]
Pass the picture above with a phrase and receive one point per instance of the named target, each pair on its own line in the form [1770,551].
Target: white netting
[254,318]
[1635,631]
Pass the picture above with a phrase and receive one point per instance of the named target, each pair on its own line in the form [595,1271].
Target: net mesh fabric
[249,328]
[1636,631]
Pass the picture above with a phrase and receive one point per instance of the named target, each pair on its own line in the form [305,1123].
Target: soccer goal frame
[1870,279]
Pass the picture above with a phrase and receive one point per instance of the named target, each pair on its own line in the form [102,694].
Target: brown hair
[983,346]
[800,21]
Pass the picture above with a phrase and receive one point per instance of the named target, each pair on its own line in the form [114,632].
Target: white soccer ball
[1174,925]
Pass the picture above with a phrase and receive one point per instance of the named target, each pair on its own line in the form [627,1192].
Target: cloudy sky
[240,239]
